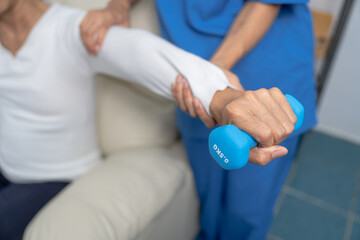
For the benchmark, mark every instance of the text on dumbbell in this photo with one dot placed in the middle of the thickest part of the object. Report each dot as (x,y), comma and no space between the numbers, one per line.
(221,155)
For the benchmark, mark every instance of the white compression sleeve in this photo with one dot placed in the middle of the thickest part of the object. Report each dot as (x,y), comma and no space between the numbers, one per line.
(144,58)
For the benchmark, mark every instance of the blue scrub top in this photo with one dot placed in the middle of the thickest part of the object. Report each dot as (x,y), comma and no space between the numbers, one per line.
(284,58)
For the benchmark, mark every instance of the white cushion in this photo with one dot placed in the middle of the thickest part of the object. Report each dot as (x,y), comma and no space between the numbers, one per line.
(117,200)
(131,116)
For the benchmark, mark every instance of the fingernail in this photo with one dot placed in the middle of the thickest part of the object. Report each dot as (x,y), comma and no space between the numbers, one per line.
(279,153)
(97,47)
(186,84)
(178,78)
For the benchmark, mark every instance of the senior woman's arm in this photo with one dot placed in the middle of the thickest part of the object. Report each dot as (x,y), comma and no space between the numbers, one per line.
(142,57)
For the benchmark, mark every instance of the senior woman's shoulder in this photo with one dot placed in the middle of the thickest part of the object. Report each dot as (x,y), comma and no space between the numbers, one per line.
(66,22)
(67,14)
(62,29)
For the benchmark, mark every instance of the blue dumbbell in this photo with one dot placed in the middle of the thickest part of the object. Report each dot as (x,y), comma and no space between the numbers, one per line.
(230,146)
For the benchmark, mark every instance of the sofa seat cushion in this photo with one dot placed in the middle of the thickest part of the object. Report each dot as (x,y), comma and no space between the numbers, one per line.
(117,200)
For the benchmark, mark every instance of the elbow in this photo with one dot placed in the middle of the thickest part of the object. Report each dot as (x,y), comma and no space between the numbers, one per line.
(145,45)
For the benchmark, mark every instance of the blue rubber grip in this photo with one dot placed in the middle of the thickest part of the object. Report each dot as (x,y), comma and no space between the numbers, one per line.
(230,146)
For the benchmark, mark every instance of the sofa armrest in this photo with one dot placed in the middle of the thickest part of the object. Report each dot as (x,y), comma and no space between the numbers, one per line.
(117,200)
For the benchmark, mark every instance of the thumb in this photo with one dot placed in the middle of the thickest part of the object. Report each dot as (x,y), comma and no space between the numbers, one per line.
(262,156)
(236,83)
(233,79)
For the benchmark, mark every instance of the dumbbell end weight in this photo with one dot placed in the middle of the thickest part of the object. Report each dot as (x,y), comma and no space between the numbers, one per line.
(230,146)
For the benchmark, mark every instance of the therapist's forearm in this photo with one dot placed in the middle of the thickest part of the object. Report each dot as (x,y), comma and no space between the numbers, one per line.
(248,28)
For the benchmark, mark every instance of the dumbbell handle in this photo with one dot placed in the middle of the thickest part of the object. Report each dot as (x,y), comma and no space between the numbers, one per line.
(230,146)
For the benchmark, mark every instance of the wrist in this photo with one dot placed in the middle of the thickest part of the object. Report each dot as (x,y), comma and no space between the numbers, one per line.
(219,102)
(219,62)
(227,56)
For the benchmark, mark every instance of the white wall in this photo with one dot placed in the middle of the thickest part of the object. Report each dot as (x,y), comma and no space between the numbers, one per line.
(339,112)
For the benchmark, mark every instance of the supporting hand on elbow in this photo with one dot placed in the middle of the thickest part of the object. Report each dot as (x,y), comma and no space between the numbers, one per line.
(96,23)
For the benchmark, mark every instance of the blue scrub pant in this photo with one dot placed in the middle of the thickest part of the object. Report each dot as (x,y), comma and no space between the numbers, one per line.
(236,204)
(20,202)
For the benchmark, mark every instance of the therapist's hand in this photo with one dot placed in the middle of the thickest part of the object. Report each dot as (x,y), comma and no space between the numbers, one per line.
(96,23)
(264,114)
(188,103)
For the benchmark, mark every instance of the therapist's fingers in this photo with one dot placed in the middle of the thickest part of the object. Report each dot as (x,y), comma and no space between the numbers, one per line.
(93,36)
(173,91)
(184,98)
(179,93)
(203,115)
(100,39)
(233,79)
(262,156)
(96,23)
(95,31)
(188,99)
(87,37)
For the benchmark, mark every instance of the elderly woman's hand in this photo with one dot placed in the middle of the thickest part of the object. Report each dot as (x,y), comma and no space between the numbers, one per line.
(265,114)
(96,23)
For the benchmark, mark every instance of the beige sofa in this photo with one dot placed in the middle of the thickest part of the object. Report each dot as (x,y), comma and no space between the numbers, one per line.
(144,188)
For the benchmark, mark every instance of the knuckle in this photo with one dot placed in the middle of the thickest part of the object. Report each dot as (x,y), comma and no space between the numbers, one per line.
(262,92)
(265,134)
(279,134)
(293,118)
(248,98)
(275,90)
(248,95)
(289,128)
(230,110)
